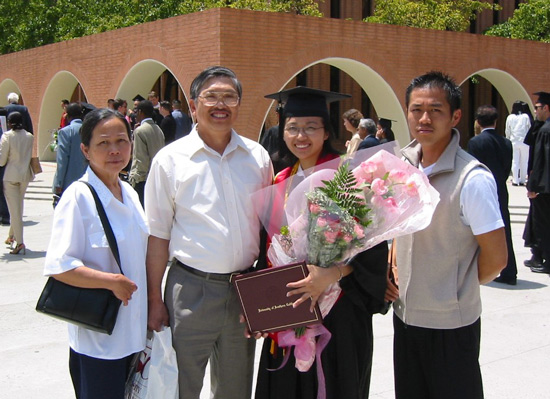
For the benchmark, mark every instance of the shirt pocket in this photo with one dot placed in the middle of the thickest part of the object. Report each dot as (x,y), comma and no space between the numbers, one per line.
(98,240)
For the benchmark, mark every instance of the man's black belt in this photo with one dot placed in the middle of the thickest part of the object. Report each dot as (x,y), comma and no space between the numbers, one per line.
(226,277)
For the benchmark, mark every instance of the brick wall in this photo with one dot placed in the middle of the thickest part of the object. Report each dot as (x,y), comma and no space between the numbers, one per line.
(267,50)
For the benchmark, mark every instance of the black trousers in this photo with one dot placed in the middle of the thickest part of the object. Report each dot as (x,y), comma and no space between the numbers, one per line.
(437,364)
(98,378)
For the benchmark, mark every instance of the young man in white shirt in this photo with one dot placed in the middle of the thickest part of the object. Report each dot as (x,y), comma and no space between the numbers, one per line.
(437,306)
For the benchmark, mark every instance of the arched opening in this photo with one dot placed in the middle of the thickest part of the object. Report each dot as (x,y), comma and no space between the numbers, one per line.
(488,86)
(64,85)
(150,75)
(371,95)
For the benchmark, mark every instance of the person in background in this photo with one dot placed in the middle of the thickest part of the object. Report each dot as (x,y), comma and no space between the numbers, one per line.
(14,106)
(168,123)
(154,98)
(121,106)
(351,120)
(370,139)
(184,124)
(198,202)
(15,155)
(437,306)
(384,133)
(111,103)
(495,152)
(517,126)
(78,255)
(4,212)
(64,122)
(305,143)
(148,140)
(538,186)
(133,112)
(71,163)
(353,144)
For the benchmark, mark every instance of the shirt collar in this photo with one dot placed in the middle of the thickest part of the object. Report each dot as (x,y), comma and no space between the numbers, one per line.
(196,144)
(105,195)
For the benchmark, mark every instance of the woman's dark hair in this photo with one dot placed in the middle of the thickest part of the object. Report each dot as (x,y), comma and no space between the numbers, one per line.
(93,118)
(517,107)
(15,119)
(285,158)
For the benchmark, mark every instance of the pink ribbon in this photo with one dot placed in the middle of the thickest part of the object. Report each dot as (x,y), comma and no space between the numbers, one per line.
(306,350)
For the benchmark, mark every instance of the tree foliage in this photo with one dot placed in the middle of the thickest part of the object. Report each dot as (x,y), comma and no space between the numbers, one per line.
(452,15)
(32,23)
(530,21)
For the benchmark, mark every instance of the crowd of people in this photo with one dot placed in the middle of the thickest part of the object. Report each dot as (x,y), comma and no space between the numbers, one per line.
(179,199)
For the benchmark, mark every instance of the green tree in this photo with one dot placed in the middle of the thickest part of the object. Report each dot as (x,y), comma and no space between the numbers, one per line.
(530,21)
(32,23)
(452,15)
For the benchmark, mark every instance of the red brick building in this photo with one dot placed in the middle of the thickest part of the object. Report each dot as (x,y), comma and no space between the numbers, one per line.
(268,51)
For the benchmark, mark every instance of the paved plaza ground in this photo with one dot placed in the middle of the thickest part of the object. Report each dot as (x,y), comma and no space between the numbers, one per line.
(515,347)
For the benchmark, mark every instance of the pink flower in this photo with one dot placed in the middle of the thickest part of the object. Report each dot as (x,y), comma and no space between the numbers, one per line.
(330,236)
(358,230)
(378,186)
(347,238)
(411,187)
(398,176)
(369,167)
(321,222)
(314,208)
(386,204)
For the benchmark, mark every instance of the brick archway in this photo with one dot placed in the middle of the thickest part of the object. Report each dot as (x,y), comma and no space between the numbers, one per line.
(266,50)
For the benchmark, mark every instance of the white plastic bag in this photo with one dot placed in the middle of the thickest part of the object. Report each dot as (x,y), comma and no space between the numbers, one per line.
(154,374)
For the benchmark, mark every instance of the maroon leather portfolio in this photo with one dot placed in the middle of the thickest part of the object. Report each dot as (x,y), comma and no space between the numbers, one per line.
(265,304)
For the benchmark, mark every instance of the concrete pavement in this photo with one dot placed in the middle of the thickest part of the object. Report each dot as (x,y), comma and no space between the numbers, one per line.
(515,348)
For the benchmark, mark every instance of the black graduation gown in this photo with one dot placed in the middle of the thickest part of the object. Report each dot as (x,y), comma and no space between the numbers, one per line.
(537,229)
(347,359)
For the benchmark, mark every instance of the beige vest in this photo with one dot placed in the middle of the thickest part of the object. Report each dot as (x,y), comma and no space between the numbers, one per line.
(438,272)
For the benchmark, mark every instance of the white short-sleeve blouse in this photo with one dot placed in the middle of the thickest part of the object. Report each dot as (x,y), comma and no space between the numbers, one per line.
(78,239)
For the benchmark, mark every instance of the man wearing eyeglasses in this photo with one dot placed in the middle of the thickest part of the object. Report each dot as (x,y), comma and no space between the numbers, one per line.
(198,204)
(538,186)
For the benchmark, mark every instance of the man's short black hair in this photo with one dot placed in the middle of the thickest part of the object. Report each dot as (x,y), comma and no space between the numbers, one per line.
(74,110)
(214,72)
(146,107)
(486,116)
(437,79)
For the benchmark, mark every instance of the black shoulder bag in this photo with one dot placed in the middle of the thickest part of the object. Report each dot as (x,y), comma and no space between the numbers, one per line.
(92,308)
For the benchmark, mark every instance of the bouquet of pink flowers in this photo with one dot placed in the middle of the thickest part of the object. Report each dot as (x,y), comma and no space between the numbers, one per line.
(338,210)
(334,214)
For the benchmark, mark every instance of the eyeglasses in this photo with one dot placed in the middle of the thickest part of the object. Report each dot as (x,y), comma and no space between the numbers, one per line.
(210,99)
(539,106)
(308,130)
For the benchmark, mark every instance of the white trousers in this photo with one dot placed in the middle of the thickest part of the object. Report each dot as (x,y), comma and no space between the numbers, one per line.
(520,159)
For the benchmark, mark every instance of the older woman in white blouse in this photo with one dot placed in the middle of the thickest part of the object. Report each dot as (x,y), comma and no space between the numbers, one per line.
(79,255)
(15,153)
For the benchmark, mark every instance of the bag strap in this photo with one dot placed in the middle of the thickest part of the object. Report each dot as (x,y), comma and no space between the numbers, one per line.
(106,226)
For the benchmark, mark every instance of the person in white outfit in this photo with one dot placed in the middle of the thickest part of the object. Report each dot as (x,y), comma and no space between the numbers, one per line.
(517,126)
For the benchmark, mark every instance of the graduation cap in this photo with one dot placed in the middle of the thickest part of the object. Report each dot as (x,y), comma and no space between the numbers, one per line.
(305,101)
(139,97)
(86,108)
(544,97)
(385,122)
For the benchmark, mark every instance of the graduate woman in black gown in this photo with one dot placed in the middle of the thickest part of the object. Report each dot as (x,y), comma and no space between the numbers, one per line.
(347,359)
